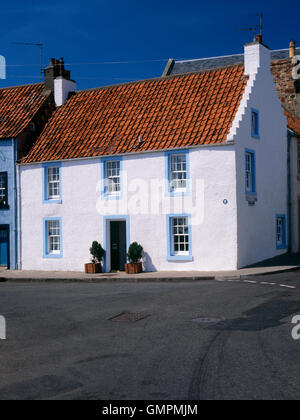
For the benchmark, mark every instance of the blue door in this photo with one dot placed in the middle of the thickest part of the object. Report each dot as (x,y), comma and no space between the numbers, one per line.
(4,246)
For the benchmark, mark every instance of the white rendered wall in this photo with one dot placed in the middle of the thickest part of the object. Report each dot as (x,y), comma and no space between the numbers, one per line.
(257,225)
(62,89)
(214,234)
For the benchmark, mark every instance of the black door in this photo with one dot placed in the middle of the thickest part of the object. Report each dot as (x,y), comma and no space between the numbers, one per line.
(118,245)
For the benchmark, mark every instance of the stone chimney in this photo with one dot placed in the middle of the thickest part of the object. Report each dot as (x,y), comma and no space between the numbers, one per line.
(257,56)
(58,81)
(292,49)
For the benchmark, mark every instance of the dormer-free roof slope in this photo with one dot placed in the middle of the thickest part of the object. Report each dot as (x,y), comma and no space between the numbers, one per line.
(158,114)
(293,122)
(18,106)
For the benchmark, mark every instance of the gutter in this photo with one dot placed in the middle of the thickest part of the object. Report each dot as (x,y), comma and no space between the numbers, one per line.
(226,143)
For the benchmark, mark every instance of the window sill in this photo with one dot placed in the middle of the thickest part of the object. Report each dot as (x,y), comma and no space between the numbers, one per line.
(52,201)
(180,258)
(52,256)
(111,196)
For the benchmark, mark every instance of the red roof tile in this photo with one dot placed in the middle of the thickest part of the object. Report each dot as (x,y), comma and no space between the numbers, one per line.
(18,106)
(293,122)
(174,112)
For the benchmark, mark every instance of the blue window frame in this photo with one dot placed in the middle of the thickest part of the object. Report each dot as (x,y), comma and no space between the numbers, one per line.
(52,183)
(53,237)
(3,191)
(255,124)
(112,182)
(177,173)
(281,240)
(250,173)
(179,237)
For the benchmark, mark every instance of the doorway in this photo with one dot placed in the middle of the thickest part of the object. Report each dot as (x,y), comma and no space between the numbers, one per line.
(118,243)
(4,246)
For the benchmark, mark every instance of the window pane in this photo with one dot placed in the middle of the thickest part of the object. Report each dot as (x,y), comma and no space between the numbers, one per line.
(178,172)
(53,183)
(3,189)
(180,236)
(112,177)
(53,229)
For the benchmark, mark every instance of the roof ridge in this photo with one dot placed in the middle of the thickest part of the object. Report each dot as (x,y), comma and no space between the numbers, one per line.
(226,56)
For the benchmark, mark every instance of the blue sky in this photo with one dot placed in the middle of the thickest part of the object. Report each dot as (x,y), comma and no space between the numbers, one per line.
(141,34)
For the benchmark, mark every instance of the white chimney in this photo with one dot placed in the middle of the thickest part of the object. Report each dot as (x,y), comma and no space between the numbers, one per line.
(58,81)
(62,89)
(257,56)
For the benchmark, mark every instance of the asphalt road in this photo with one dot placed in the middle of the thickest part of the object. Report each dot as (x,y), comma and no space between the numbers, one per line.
(62,344)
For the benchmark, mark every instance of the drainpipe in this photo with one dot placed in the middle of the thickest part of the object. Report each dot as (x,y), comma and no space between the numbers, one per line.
(15,229)
(19,217)
(289,198)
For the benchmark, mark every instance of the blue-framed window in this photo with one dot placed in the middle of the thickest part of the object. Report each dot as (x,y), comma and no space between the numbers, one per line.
(250,173)
(111,169)
(3,191)
(179,237)
(281,241)
(177,172)
(255,123)
(52,183)
(53,237)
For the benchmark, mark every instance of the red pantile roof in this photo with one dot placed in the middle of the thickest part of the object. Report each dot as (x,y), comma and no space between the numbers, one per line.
(174,112)
(18,106)
(293,122)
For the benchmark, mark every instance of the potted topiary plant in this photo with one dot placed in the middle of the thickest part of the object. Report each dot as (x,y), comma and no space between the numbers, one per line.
(97,253)
(135,253)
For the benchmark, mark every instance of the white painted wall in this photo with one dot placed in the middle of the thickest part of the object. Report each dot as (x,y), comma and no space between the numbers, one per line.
(62,89)
(214,235)
(257,225)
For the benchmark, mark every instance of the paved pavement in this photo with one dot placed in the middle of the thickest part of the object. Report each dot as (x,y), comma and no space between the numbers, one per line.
(281,264)
(62,343)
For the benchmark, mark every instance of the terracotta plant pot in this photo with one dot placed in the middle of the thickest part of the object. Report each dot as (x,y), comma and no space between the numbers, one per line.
(91,268)
(134,268)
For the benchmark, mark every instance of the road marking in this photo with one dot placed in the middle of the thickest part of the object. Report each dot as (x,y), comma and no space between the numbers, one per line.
(250,281)
(288,287)
(267,283)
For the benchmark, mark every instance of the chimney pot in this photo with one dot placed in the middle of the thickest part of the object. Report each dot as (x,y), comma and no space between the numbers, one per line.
(259,39)
(292,49)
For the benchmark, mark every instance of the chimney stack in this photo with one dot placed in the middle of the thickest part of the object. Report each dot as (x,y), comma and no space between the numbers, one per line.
(292,49)
(259,39)
(58,80)
(257,57)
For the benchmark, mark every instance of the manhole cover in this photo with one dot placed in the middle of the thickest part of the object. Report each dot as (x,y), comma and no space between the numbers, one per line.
(129,317)
(207,320)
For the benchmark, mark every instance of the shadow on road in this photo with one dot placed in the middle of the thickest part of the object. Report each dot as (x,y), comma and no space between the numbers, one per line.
(267,315)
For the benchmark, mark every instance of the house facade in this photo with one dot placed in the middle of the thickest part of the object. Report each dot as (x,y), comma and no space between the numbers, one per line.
(22,110)
(285,68)
(183,165)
